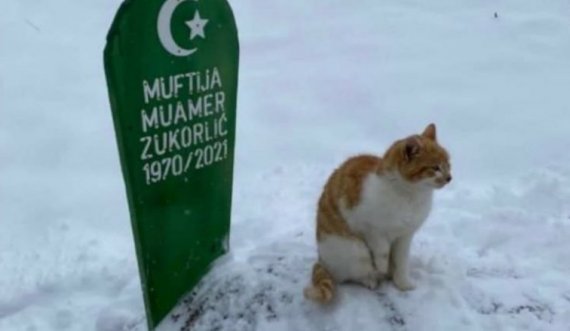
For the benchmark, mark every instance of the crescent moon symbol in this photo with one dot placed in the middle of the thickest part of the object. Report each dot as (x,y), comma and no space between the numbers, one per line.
(165,32)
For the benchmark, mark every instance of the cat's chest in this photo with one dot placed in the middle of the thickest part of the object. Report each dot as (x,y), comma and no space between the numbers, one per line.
(387,211)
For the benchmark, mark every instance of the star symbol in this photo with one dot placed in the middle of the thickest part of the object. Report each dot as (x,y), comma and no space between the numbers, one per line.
(196,26)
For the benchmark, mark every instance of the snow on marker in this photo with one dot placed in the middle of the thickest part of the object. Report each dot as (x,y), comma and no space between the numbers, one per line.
(172,68)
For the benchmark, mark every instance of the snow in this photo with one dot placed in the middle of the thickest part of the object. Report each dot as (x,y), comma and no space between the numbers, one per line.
(483,262)
(318,82)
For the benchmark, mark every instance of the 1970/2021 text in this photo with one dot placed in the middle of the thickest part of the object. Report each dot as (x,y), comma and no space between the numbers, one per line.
(176,165)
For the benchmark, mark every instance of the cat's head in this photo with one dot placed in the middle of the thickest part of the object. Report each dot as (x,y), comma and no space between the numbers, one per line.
(419,160)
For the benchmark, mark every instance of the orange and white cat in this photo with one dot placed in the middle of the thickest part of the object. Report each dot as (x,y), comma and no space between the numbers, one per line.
(369,211)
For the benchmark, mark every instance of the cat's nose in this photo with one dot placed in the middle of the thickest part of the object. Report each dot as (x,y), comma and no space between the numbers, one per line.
(448,178)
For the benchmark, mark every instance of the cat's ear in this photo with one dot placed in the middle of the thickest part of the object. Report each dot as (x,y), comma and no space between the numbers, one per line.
(412,147)
(430,132)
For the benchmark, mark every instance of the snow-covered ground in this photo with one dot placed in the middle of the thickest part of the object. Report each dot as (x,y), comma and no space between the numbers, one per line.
(319,81)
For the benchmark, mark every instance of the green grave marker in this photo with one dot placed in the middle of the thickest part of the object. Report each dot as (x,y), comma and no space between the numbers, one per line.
(172,72)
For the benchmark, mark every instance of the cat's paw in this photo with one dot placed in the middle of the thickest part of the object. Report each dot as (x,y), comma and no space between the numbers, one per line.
(404,284)
(382,265)
(370,282)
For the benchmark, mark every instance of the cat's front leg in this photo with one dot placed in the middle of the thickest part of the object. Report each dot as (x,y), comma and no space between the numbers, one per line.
(400,254)
(380,249)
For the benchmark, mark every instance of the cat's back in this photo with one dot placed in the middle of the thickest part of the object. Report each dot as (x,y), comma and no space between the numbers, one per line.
(347,181)
(344,184)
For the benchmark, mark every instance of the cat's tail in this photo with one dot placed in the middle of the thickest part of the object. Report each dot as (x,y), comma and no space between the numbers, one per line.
(322,286)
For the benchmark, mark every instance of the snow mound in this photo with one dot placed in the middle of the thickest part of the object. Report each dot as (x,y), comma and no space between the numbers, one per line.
(486,259)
